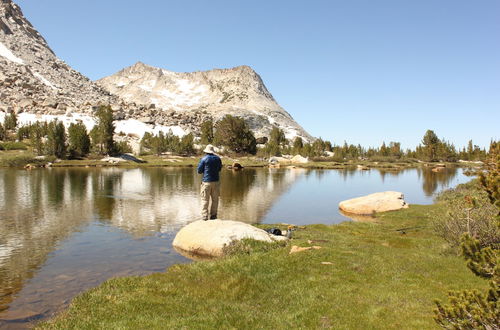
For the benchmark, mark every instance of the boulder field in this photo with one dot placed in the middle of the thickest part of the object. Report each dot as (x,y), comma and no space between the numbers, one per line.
(374,203)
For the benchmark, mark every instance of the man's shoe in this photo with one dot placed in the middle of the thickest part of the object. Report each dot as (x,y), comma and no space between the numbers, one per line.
(213,217)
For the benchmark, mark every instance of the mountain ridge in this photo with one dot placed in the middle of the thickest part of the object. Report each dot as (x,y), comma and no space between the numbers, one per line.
(34,81)
(236,91)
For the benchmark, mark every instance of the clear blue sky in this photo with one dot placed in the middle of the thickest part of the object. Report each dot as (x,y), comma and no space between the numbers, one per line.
(364,71)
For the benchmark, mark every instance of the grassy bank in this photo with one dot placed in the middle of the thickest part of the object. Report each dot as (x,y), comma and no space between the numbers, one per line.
(378,275)
(20,158)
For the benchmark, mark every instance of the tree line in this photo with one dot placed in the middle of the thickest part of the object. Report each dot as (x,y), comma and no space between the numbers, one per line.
(231,132)
(53,139)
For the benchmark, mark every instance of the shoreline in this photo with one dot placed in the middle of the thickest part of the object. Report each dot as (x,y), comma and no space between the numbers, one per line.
(24,160)
(363,272)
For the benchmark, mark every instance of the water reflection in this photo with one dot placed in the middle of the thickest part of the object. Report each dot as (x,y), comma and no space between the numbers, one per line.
(65,230)
(431,181)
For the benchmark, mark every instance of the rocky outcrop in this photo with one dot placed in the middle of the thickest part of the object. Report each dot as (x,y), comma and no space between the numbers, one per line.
(238,91)
(374,203)
(208,238)
(32,78)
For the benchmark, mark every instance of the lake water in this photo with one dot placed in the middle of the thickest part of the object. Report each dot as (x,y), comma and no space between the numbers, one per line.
(63,231)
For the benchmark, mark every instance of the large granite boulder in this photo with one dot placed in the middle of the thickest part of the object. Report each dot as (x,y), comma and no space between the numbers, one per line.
(374,203)
(208,238)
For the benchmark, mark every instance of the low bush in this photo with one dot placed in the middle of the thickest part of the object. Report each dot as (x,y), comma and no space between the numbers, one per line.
(22,160)
(468,211)
(13,146)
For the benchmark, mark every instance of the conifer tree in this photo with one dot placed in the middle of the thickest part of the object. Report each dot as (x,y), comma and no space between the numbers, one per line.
(430,142)
(105,130)
(276,142)
(298,144)
(79,140)
(56,139)
(474,309)
(207,132)
(2,132)
(186,144)
(233,133)
(36,134)
(10,121)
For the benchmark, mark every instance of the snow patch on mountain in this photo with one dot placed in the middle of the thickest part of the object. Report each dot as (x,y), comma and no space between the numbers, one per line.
(44,80)
(5,52)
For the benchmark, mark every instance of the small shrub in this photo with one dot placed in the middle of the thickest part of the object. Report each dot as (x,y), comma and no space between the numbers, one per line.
(468,211)
(21,161)
(13,146)
(123,147)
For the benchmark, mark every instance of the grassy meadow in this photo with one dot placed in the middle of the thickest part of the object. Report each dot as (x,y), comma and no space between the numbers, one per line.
(379,275)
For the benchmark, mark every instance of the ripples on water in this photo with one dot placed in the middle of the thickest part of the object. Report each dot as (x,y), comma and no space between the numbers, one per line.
(63,231)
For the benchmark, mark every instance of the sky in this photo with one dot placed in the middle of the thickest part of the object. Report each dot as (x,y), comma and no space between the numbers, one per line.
(360,71)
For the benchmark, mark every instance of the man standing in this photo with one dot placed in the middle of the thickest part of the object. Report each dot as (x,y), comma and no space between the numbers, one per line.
(209,166)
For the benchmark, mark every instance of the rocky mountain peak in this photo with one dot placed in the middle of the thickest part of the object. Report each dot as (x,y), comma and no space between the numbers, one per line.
(237,91)
(12,21)
(32,78)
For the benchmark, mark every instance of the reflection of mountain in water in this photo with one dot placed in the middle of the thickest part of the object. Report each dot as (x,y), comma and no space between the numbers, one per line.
(162,199)
(40,209)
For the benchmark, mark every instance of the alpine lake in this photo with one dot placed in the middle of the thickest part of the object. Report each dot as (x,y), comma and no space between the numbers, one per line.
(65,230)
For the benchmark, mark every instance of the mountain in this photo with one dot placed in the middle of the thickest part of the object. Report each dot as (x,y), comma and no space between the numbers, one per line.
(38,85)
(32,78)
(238,91)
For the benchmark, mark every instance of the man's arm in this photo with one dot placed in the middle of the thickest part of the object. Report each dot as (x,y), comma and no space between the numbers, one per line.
(220,164)
(201,166)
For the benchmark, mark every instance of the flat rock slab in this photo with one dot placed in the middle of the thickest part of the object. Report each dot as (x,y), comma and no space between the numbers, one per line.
(374,203)
(208,238)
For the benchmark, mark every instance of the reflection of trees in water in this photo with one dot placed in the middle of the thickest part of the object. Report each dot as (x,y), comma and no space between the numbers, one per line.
(36,215)
(78,180)
(54,181)
(390,172)
(348,172)
(431,181)
(169,180)
(235,185)
(247,195)
(41,208)
(104,183)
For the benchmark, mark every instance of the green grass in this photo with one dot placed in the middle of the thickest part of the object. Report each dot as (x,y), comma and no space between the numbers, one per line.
(380,278)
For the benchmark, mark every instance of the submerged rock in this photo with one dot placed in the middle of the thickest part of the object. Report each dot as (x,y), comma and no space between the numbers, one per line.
(374,203)
(208,238)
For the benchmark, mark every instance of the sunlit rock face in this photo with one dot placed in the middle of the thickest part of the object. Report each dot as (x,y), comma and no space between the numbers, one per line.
(32,77)
(238,91)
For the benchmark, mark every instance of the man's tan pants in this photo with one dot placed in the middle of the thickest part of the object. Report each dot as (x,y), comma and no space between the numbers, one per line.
(209,190)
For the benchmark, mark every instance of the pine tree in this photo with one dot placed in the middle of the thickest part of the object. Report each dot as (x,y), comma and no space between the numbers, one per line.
(79,140)
(473,309)
(207,132)
(233,133)
(2,132)
(186,145)
(10,121)
(105,130)
(36,134)
(298,144)
(276,142)
(56,139)
(430,142)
